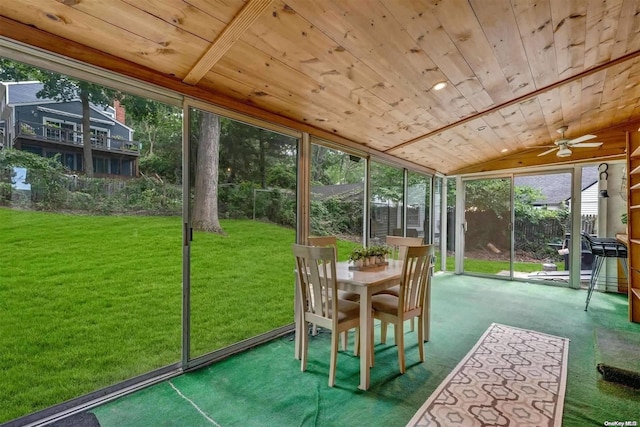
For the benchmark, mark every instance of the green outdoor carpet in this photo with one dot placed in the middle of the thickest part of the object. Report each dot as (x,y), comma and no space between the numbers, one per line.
(264,386)
(617,357)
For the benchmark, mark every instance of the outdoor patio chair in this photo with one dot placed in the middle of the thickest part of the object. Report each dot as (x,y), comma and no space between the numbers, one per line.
(410,303)
(601,248)
(316,274)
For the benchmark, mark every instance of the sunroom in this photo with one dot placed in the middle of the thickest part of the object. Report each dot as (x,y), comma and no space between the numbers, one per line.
(359,119)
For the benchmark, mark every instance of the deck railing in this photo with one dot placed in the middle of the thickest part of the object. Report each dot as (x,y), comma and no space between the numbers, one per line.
(56,134)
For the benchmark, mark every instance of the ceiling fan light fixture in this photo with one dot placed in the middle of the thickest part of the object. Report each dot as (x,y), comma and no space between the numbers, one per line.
(563,152)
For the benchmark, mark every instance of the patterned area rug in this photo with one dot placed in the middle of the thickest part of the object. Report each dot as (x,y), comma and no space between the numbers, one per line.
(511,377)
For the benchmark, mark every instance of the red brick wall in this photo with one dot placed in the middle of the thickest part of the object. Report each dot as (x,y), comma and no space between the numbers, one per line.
(120,111)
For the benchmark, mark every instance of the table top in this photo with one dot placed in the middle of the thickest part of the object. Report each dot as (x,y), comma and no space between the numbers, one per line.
(370,277)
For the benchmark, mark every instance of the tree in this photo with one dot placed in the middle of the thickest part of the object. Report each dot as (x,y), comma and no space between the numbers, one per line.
(160,127)
(205,210)
(64,88)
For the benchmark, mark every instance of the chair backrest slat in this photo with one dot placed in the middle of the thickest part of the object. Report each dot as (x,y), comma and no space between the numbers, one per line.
(323,241)
(399,244)
(316,270)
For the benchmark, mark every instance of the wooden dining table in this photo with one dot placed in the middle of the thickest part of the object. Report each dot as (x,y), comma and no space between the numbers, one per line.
(365,283)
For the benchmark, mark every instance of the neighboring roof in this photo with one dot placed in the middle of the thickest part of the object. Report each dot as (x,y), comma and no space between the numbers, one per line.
(556,187)
(24,93)
(21,93)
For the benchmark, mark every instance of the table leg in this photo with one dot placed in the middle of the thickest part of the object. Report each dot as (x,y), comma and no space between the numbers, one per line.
(365,338)
(426,312)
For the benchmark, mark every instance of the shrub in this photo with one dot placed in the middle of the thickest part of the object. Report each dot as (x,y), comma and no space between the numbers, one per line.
(45,175)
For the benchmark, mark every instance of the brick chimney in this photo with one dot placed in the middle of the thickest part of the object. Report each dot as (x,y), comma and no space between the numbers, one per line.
(120,111)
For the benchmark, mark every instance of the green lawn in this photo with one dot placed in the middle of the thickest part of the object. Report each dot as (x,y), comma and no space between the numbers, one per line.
(494,267)
(89,301)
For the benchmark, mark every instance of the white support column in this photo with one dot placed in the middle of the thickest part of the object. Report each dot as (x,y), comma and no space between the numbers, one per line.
(443,224)
(576,238)
(459,226)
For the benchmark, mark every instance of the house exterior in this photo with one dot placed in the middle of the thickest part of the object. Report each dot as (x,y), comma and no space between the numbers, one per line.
(556,190)
(48,127)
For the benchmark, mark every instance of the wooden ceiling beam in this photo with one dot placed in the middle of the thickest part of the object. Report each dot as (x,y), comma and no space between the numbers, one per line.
(519,99)
(226,39)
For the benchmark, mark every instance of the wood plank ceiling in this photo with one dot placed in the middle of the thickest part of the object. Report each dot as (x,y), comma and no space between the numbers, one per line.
(363,70)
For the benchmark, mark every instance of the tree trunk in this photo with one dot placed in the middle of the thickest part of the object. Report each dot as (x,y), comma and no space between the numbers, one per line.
(152,131)
(261,161)
(87,157)
(205,209)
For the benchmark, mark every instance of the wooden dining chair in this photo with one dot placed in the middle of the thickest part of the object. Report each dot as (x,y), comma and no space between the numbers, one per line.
(398,246)
(316,281)
(410,302)
(325,242)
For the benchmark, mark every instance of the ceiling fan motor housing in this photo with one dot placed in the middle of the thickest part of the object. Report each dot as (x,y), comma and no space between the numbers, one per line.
(563,152)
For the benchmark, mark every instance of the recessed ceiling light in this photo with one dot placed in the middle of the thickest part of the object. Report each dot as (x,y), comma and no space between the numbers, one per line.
(504,150)
(439,86)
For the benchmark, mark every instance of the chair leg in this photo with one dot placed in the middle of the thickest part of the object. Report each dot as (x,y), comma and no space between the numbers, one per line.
(383,331)
(304,343)
(371,349)
(334,358)
(421,338)
(399,338)
(344,337)
(356,344)
(595,271)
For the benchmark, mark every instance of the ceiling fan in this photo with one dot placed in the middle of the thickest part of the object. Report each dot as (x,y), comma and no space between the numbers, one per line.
(564,145)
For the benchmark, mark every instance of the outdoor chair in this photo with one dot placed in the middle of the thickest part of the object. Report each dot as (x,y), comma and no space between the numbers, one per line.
(601,248)
(410,303)
(316,282)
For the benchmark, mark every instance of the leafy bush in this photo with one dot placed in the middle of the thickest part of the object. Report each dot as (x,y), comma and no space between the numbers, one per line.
(236,201)
(45,175)
(140,195)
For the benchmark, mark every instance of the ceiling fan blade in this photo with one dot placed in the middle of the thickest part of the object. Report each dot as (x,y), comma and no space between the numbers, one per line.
(548,151)
(587,144)
(580,139)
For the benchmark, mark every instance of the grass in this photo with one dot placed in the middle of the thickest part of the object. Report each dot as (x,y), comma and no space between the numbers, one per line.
(89,301)
(494,267)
